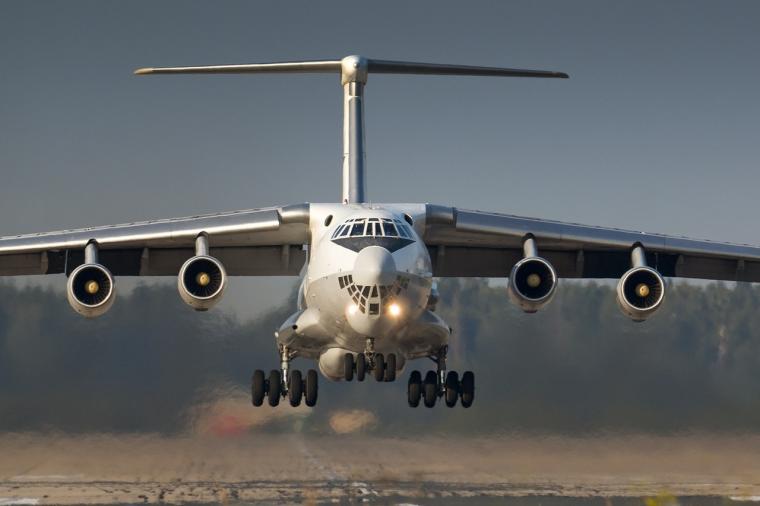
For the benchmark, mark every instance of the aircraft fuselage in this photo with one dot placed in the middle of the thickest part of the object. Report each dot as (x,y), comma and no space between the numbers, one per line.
(369,275)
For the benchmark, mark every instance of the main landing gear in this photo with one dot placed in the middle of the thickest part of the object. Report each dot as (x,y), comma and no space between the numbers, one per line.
(382,368)
(284,383)
(441,383)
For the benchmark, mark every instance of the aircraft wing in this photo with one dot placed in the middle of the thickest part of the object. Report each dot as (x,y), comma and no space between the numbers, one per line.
(480,244)
(256,242)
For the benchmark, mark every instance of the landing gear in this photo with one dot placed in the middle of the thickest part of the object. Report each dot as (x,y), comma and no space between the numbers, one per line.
(430,389)
(390,367)
(296,388)
(311,386)
(378,367)
(414,389)
(467,389)
(348,366)
(382,368)
(441,383)
(258,387)
(451,389)
(274,388)
(361,366)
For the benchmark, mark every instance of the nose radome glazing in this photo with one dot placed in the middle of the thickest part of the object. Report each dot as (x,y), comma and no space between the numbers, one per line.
(374,265)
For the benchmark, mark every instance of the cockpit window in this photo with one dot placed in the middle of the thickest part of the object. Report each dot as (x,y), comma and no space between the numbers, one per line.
(357,229)
(358,233)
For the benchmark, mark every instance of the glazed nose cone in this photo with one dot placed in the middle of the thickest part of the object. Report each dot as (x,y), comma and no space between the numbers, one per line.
(374,266)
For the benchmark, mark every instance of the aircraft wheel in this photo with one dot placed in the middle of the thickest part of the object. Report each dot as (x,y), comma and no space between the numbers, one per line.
(295,388)
(361,367)
(274,388)
(467,389)
(258,387)
(414,389)
(430,389)
(379,367)
(348,366)
(390,367)
(311,385)
(452,389)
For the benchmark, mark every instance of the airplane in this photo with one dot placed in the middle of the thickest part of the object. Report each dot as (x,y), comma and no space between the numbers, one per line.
(368,295)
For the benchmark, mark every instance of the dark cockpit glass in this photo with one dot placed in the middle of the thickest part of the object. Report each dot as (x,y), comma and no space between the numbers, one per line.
(358,233)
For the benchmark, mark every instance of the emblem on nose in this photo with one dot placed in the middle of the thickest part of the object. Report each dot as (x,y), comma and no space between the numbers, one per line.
(374,266)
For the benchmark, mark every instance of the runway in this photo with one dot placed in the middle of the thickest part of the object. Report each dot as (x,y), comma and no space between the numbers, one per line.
(300,467)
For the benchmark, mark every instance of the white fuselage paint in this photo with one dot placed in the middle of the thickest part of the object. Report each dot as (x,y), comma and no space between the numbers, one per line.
(330,322)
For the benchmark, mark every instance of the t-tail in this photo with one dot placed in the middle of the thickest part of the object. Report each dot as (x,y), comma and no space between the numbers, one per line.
(353,72)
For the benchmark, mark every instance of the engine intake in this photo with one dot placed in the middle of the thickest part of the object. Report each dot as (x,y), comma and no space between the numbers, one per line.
(201,282)
(90,290)
(640,292)
(532,283)
(533,280)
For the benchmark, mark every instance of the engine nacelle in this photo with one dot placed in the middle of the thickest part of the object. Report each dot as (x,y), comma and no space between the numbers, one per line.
(91,290)
(201,282)
(532,283)
(640,292)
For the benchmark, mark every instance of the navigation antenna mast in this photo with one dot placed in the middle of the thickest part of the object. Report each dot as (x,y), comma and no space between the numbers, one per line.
(353,77)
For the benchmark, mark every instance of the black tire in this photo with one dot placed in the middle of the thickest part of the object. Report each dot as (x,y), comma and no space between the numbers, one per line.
(361,367)
(295,388)
(311,387)
(467,389)
(258,387)
(430,389)
(274,388)
(452,389)
(390,367)
(379,367)
(348,366)
(414,389)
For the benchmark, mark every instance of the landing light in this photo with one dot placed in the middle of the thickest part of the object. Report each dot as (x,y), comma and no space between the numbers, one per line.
(394,309)
(352,309)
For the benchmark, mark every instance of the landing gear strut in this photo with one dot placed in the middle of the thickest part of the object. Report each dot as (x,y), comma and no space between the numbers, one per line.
(441,383)
(284,383)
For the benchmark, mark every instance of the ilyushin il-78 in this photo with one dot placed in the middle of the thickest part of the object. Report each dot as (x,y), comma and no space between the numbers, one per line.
(367,299)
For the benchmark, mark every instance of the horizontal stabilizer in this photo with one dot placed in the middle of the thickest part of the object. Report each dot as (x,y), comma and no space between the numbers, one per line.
(402,67)
(354,62)
(252,68)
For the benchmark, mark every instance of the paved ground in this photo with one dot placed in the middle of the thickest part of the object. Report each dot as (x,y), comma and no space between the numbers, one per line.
(301,468)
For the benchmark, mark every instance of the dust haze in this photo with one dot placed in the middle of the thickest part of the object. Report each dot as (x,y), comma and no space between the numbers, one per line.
(579,367)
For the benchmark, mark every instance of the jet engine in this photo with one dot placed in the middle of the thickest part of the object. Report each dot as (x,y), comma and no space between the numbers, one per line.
(533,280)
(201,282)
(640,292)
(90,288)
(532,283)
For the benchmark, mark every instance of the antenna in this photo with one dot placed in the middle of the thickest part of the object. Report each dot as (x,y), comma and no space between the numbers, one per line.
(353,77)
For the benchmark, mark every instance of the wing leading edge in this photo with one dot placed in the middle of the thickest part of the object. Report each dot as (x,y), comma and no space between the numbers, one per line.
(252,242)
(474,243)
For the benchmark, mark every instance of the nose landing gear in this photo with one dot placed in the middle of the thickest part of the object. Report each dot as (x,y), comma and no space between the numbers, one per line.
(382,368)
(441,383)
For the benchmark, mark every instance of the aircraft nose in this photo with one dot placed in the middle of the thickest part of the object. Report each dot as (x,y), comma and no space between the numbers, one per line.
(374,266)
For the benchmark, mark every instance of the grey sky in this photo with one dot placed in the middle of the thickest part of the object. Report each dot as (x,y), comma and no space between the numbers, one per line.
(657,129)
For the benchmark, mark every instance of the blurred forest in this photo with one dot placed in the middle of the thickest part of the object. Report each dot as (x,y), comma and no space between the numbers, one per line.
(578,366)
